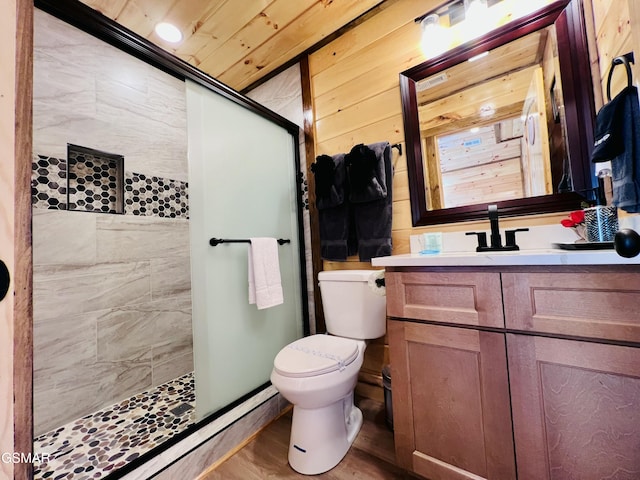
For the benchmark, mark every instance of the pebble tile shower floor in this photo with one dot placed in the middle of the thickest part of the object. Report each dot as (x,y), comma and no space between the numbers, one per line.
(97,444)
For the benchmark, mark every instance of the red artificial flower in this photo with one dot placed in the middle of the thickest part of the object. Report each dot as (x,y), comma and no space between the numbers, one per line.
(575,218)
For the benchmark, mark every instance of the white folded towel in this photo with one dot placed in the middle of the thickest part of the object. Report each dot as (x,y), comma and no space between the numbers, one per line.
(265,285)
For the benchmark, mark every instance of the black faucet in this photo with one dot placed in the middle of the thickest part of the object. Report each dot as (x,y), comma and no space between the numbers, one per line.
(496,239)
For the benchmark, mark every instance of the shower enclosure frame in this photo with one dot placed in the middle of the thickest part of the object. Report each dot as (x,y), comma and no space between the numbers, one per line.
(92,22)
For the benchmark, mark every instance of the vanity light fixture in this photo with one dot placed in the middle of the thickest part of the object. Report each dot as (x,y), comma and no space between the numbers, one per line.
(168,32)
(460,21)
(477,19)
(435,38)
(453,23)
(475,8)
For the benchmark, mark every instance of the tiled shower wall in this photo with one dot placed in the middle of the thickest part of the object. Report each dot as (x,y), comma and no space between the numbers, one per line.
(112,292)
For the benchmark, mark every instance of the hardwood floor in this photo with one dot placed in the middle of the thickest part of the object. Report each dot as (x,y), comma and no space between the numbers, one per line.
(371,456)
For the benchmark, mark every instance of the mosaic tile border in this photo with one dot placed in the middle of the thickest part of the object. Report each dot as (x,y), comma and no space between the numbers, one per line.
(157,196)
(48,182)
(97,444)
(143,195)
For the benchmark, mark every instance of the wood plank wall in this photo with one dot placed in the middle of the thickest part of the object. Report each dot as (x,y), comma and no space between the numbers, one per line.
(7,150)
(614,37)
(634,17)
(356,99)
(356,96)
(16,413)
(617,32)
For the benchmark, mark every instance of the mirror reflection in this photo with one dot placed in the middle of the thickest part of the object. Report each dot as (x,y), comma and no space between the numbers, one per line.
(492,127)
(506,118)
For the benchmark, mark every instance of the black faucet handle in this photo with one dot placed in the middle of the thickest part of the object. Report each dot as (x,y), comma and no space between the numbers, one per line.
(510,237)
(482,240)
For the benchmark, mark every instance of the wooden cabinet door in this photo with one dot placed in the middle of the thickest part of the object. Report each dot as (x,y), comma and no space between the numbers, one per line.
(451,406)
(576,409)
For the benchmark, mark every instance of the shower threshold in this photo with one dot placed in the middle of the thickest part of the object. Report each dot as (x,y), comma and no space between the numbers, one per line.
(100,443)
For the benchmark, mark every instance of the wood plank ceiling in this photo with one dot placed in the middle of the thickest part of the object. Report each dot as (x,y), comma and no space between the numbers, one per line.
(237,41)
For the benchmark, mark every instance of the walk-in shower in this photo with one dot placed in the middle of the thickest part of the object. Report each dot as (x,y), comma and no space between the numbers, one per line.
(124,276)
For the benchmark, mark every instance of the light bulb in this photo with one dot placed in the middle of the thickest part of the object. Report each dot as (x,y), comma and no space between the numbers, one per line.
(477,19)
(436,39)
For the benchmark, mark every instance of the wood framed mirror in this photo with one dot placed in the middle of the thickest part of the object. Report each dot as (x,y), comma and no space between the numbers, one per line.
(545,53)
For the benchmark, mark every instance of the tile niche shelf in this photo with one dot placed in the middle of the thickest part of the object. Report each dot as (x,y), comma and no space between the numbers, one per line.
(95,180)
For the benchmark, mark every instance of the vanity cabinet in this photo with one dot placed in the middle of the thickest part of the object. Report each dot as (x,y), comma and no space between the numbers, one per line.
(576,408)
(450,392)
(575,403)
(450,384)
(534,370)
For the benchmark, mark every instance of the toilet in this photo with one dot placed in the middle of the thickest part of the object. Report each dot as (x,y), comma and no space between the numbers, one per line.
(318,373)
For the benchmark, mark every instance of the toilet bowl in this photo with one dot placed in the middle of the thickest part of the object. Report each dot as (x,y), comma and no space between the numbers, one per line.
(318,374)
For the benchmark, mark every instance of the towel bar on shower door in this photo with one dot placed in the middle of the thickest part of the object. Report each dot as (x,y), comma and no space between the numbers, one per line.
(217,241)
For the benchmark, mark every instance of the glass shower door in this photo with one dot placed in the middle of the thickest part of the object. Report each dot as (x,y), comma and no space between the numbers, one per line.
(241,185)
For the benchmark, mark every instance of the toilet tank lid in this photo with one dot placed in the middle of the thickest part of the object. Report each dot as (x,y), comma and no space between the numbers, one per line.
(315,355)
(346,275)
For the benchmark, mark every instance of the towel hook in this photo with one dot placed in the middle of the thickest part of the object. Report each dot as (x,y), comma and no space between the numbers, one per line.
(625,60)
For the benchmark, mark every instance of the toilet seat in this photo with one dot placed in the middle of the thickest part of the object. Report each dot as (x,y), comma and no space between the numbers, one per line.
(315,355)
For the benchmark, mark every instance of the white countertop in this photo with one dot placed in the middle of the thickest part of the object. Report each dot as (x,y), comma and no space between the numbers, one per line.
(520,257)
(537,247)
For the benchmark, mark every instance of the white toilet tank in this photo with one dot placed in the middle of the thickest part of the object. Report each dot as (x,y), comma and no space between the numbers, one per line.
(352,308)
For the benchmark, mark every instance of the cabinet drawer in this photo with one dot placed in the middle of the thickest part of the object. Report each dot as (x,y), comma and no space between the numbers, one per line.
(592,305)
(466,298)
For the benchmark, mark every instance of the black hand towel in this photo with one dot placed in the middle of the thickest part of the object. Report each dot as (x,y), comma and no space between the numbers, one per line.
(365,169)
(370,178)
(618,139)
(329,174)
(337,233)
(608,132)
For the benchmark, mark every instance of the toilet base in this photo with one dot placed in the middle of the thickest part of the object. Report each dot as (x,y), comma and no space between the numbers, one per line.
(321,437)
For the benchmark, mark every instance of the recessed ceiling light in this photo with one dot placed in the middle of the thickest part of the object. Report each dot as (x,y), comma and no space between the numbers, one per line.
(168,32)
(487,110)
